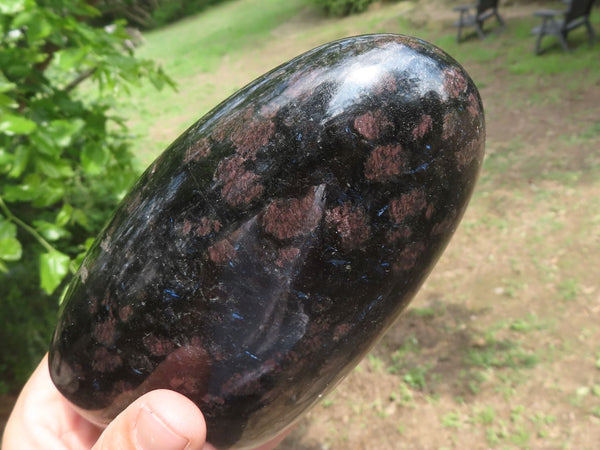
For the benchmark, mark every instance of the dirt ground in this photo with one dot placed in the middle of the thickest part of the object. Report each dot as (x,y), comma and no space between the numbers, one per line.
(501,347)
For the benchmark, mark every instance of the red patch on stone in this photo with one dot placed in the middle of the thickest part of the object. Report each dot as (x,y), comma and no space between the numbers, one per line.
(125,313)
(398,234)
(104,332)
(409,204)
(199,150)
(252,137)
(221,252)
(449,127)
(429,211)
(371,124)
(350,222)
(104,361)
(341,331)
(287,256)
(423,127)
(467,153)
(157,346)
(285,219)
(207,226)
(385,163)
(229,123)
(408,257)
(270,110)
(473,106)
(187,227)
(240,186)
(443,226)
(454,82)
(185,370)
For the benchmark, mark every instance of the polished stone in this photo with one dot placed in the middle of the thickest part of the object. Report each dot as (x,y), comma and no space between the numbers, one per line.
(267,249)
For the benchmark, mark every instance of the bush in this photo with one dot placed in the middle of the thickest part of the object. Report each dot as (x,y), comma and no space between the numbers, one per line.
(343,7)
(147,14)
(65,158)
(173,10)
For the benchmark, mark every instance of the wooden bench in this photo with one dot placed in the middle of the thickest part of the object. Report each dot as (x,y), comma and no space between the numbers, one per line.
(559,23)
(476,15)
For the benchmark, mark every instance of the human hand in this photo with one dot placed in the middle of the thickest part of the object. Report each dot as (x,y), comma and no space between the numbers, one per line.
(161,419)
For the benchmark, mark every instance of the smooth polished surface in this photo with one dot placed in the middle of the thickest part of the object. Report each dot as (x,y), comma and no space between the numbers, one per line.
(266,250)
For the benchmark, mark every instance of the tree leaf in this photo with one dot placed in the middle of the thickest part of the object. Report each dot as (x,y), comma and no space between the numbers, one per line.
(6,161)
(11,124)
(54,266)
(6,85)
(51,192)
(23,19)
(53,167)
(6,101)
(81,218)
(43,143)
(71,59)
(38,29)
(21,158)
(10,247)
(26,190)
(7,229)
(50,231)
(10,7)
(64,215)
(61,132)
(94,158)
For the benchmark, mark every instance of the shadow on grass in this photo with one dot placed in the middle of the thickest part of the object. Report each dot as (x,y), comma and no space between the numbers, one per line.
(439,350)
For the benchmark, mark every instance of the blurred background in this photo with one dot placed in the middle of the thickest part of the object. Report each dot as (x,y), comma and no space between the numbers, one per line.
(500,349)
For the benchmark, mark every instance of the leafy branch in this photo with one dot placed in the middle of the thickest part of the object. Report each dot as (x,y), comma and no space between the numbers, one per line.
(29,229)
(80,79)
(63,163)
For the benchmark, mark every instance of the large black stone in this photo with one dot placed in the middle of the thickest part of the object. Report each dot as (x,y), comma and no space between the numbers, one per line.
(261,256)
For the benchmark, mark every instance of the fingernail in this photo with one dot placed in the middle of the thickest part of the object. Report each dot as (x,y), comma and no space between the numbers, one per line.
(151,433)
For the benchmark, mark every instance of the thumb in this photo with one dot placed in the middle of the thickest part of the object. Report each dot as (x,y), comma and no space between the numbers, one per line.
(159,420)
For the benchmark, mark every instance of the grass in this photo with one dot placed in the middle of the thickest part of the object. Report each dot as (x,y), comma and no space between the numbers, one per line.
(451,420)
(193,47)
(501,354)
(199,43)
(568,289)
(530,323)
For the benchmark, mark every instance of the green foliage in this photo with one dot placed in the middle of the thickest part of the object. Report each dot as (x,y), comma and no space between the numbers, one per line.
(170,11)
(65,160)
(147,14)
(343,7)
